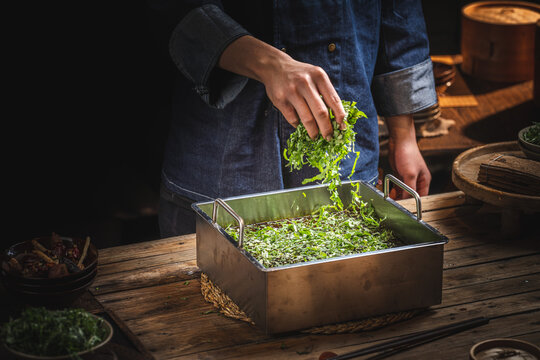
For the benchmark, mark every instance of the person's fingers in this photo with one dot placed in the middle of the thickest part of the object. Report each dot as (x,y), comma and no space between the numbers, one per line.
(410,180)
(423,182)
(319,111)
(330,96)
(306,116)
(288,112)
(395,193)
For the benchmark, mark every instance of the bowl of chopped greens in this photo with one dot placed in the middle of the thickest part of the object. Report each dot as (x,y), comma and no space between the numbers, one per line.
(529,141)
(42,334)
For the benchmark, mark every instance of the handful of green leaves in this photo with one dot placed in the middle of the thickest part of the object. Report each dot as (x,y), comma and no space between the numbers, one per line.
(44,332)
(333,231)
(532,135)
(324,155)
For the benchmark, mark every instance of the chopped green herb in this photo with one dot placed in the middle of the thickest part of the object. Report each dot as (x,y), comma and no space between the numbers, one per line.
(45,332)
(330,234)
(532,135)
(183,298)
(208,312)
(326,156)
(186,282)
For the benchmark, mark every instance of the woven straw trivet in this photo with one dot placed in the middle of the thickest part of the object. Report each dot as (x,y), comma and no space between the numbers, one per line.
(213,294)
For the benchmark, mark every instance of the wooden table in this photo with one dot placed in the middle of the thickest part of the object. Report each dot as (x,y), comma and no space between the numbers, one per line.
(153,288)
(151,291)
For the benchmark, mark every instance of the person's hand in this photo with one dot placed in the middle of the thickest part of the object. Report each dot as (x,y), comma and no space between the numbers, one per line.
(295,88)
(405,158)
(301,91)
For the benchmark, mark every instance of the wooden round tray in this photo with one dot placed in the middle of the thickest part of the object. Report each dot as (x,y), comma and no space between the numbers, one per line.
(465,173)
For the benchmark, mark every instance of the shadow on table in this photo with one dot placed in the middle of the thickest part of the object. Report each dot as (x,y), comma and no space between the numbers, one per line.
(504,125)
(479,86)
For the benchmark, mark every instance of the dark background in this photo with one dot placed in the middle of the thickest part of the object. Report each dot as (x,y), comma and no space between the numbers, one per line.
(87,116)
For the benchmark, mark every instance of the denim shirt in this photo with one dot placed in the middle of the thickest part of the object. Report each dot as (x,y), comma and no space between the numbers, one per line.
(227,139)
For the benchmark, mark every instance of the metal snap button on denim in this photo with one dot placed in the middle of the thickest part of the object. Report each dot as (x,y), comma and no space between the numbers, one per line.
(331,47)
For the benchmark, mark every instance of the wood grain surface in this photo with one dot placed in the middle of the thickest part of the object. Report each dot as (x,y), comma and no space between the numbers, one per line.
(154,288)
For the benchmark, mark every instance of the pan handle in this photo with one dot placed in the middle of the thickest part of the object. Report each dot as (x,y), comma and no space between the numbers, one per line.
(233,214)
(405,187)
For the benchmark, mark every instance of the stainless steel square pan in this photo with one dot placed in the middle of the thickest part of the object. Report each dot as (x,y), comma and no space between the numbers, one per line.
(315,293)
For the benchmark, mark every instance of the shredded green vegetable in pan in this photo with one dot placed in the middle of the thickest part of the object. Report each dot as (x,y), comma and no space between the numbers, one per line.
(335,233)
(331,231)
(53,332)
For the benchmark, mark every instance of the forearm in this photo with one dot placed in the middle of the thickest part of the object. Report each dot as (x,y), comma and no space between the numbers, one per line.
(404,155)
(401,128)
(252,58)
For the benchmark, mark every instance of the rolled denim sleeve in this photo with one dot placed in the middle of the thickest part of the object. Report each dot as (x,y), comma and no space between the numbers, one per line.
(195,46)
(403,81)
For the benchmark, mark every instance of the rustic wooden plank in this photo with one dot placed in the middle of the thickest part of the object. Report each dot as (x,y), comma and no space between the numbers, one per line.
(310,346)
(455,227)
(463,211)
(145,277)
(148,262)
(435,202)
(462,241)
(485,253)
(144,249)
(137,301)
(470,275)
(495,288)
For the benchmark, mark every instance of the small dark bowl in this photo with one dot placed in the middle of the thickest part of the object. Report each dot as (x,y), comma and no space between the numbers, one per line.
(495,346)
(55,299)
(90,262)
(49,288)
(532,151)
(50,292)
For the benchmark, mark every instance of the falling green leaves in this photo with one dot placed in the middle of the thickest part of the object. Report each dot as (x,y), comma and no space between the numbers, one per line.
(326,156)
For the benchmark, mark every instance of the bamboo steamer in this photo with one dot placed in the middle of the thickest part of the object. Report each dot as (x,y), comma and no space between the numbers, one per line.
(498,39)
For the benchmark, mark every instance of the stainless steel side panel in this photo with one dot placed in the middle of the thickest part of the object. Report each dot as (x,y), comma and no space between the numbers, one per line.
(354,288)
